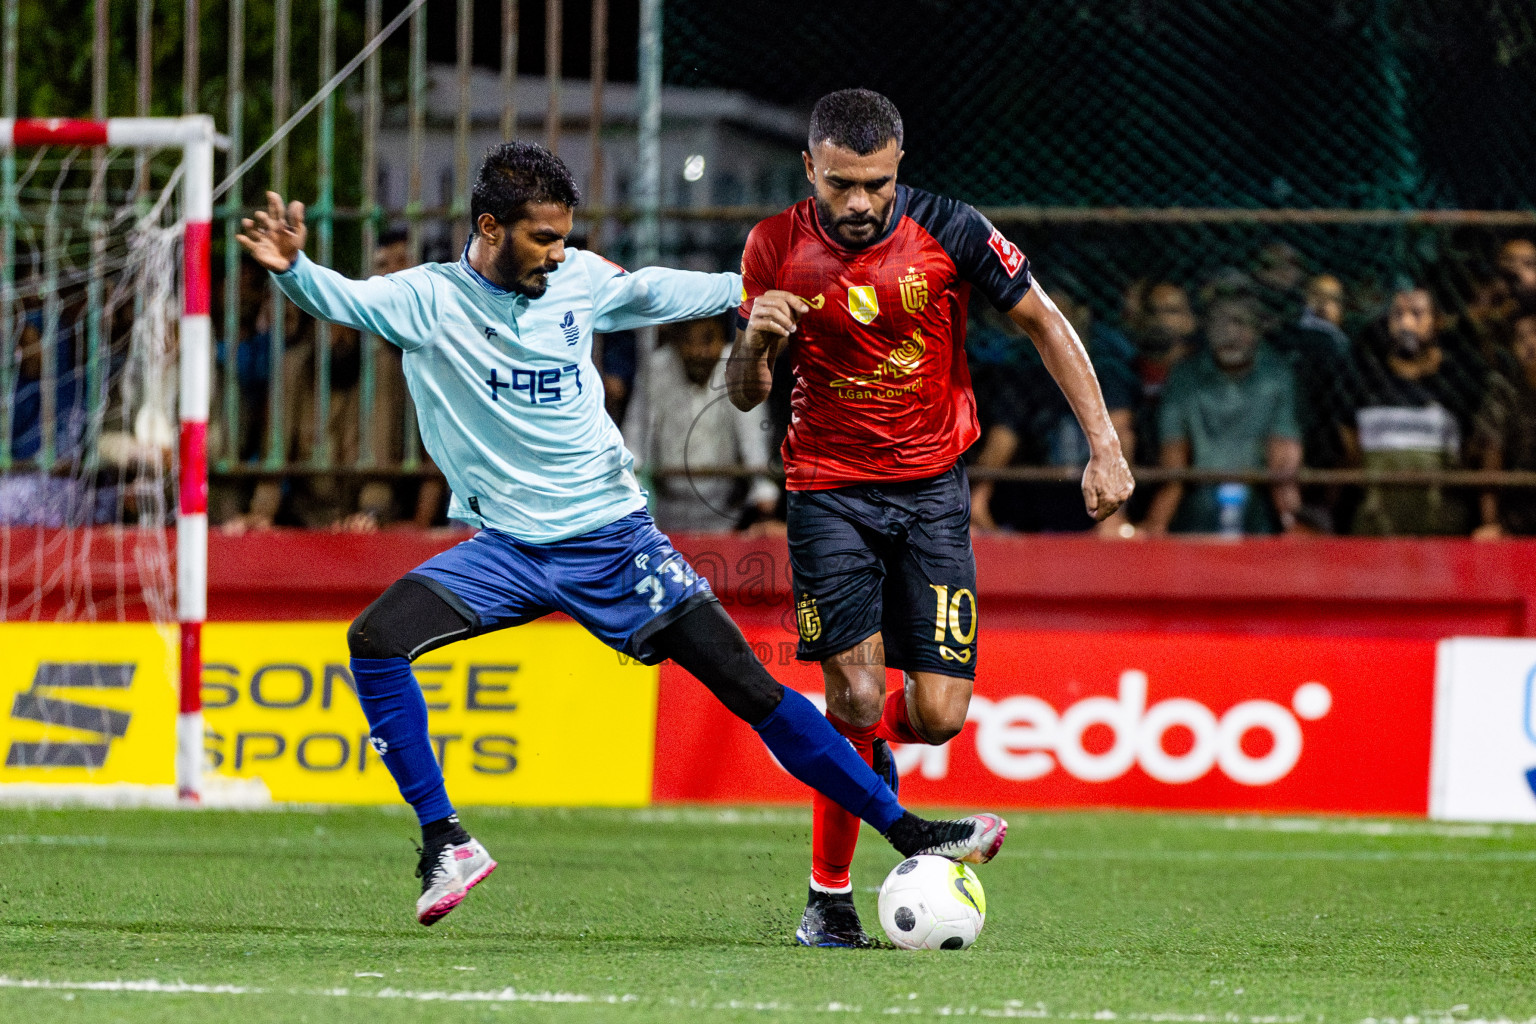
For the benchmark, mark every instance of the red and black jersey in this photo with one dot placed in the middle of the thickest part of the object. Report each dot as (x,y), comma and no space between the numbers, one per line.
(881,388)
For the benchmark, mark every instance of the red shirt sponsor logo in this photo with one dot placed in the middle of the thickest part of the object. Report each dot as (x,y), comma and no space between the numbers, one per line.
(1012,259)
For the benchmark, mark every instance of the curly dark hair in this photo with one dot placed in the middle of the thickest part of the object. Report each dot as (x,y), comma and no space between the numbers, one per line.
(858,119)
(516,174)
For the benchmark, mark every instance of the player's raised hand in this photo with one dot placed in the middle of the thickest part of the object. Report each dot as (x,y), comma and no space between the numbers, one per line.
(274,236)
(775,315)
(1107,483)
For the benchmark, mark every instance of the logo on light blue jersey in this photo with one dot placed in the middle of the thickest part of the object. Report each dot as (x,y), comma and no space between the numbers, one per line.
(568,325)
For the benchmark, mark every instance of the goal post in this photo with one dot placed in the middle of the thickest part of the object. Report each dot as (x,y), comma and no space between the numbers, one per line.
(195,137)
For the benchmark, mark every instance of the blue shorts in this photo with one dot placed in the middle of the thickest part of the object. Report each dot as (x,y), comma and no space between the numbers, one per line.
(623,582)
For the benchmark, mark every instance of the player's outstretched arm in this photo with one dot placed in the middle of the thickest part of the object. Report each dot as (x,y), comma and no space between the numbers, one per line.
(655,295)
(1107,482)
(749,372)
(396,308)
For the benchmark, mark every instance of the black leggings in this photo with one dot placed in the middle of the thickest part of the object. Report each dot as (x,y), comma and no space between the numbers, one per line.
(409,619)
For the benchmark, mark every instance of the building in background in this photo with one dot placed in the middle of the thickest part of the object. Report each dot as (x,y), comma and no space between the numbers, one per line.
(718,148)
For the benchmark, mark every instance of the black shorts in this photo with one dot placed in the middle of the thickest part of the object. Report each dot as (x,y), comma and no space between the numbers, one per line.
(893,559)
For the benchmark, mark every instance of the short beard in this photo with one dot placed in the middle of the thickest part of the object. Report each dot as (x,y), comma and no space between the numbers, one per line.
(507,269)
(1410,349)
(830,223)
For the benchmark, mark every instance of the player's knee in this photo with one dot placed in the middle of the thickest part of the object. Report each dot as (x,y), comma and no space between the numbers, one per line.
(863,709)
(855,689)
(406,621)
(940,717)
(364,639)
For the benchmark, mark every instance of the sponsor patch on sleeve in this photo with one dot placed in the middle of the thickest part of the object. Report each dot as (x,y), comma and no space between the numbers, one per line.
(1007,253)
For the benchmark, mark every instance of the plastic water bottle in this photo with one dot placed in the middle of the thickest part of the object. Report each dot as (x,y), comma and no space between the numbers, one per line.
(1231,505)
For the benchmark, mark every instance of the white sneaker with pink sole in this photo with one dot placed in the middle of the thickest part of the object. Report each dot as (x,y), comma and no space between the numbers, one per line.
(447,877)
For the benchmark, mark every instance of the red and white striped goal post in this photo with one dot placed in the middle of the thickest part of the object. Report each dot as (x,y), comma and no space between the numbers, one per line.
(194,135)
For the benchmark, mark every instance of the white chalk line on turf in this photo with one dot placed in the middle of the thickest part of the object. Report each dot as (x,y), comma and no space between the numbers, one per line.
(1357,826)
(505,995)
(1425,856)
(1012,1009)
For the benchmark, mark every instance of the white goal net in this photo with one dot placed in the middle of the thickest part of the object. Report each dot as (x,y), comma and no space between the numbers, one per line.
(88,386)
(104,368)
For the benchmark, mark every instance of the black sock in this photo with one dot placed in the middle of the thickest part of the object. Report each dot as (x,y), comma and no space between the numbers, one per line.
(442,832)
(911,833)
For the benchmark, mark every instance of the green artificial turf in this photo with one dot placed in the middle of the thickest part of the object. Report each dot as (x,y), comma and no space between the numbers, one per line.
(679,914)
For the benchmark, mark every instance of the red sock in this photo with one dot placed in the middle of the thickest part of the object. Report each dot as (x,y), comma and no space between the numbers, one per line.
(895,726)
(834,831)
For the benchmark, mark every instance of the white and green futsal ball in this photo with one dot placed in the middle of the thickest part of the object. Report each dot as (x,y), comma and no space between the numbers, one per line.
(932,903)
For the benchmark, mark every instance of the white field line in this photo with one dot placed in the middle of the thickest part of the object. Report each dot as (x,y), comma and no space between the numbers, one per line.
(219,793)
(145,844)
(1213,856)
(1358,826)
(1012,1009)
(505,995)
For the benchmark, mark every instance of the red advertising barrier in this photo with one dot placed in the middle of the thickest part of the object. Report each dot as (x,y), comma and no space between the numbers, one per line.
(1411,588)
(1123,720)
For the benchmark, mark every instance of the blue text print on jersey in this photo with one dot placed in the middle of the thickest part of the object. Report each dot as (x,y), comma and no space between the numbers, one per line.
(542,387)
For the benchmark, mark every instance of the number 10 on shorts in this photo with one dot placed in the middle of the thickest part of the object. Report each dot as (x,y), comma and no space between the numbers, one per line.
(946,615)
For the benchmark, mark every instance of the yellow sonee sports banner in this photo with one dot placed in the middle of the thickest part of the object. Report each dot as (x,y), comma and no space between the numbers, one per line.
(87,703)
(542,714)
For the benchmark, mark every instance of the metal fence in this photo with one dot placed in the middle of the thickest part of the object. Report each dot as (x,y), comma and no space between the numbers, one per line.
(1122,144)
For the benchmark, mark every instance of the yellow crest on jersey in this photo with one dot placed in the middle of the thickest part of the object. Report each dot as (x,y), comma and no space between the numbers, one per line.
(862,303)
(808,618)
(914,292)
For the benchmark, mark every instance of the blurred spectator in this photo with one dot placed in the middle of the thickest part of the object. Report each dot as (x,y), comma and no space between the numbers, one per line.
(1231,406)
(392,252)
(1319,351)
(48,422)
(1164,334)
(228,498)
(1323,312)
(1034,425)
(1506,434)
(615,356)
(427,498)
(680,419)
(1484,320)
(1133,302)
(252,360)
(1278,275)
(322,501)
(1517,267)
(1410,404)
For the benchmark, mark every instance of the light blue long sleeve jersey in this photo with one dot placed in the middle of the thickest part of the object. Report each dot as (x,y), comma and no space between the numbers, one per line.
(509,401)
